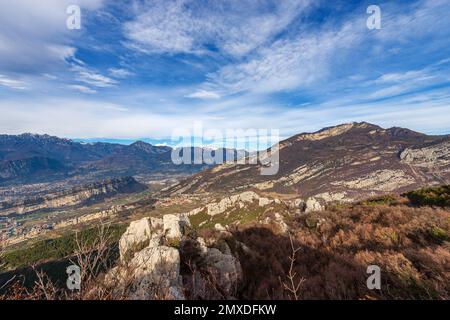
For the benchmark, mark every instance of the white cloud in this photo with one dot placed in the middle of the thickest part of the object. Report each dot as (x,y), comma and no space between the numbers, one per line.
(236,27)
(204,94)
(426,18)
(93,78)
(12,83)
(392,84)
(119,73)
(33,34)
(312,58)
(261,60)
(81,118)
(82,89)
(289,63)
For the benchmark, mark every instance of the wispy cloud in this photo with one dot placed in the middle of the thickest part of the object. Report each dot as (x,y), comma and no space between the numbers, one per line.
(187,26)
(82,89)
(288,63)
(119,73)
(148,68)
(203,94)
(12,83)
(92,78)
(29,27)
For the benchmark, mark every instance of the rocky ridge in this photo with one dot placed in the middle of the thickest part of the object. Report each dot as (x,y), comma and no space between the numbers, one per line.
(77,196)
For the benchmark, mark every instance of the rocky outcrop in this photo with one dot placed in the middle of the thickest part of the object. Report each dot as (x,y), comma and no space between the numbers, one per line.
(240,200)
(156,268)
(174,226)
(429,157)
(312,205)
(221,206)
(101,215)
(138,233)
(151,252)
(381,180)
(332,131)
(222,266)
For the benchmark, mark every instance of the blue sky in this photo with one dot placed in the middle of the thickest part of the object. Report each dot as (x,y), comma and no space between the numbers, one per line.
(141,69)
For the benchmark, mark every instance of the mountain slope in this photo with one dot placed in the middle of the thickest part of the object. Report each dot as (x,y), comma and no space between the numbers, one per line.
(345,162)
(37,166)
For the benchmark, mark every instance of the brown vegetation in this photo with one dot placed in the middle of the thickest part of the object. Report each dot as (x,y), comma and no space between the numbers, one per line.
(324,256)
(335,247)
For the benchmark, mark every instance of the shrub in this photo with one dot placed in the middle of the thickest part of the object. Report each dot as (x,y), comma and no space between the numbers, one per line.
(433,196)
(439,234)
(386,200)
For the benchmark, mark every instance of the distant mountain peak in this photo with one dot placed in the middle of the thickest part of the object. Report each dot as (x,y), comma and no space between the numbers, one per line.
(149,148)
(141,144)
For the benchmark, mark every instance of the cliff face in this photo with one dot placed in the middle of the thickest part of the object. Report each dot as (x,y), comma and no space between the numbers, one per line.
(86,194)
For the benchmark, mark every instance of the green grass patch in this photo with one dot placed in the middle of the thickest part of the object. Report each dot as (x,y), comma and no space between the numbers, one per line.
(58,248)
(244,216)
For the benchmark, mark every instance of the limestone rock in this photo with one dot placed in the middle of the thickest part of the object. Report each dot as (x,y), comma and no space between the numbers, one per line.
(264,202)
(225,268)
(428,157)
(154,270)
(219,227)
(299,205)
(228,202)
(138,233)
(174,226)
(380,180)
(312,205)
(157,269)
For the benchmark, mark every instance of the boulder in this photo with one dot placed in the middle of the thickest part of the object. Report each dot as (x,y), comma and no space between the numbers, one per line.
(156,272)
(137,234)
(248,196)
(298,204)
(219,227)
(312,205)
(174,226)
(224,268)
(264,202)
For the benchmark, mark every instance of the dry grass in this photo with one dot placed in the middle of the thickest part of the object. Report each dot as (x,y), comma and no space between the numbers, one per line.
(409,244)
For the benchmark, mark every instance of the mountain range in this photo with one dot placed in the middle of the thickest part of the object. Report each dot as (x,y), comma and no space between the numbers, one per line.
(344,162)
(340,163)
(40,158)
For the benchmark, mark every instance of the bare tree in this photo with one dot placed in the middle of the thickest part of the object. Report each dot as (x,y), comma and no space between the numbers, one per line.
(292,285)
(2,248)
(2,263)
(43,287)
(93,256)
